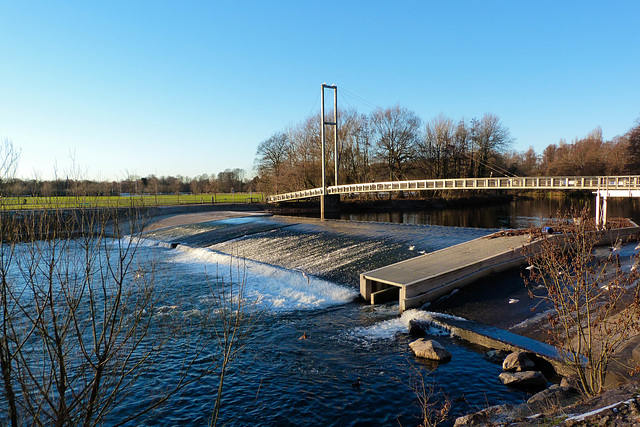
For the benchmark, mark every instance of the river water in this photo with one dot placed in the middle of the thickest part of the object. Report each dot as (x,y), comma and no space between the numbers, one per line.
(303,273)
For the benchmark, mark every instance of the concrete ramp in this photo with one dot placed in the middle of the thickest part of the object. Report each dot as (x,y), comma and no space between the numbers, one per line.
(428,277)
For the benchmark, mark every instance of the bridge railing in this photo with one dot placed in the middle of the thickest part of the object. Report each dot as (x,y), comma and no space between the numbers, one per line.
(499,183)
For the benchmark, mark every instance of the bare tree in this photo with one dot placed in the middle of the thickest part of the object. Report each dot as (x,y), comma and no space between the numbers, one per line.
(436,150)
(271,156)
(396,133)
(353,134)
(303,167)
(9,159)
(231,318)
(488,136)
(633,138)
(434,404)
(595,301)
(81,321)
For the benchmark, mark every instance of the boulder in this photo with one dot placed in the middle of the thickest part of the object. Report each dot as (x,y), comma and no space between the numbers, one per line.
(518,361)
(493,415)
(555,395)
(430,349)
(526,379)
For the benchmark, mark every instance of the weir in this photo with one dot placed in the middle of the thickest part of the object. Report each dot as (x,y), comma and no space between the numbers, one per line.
(427,277)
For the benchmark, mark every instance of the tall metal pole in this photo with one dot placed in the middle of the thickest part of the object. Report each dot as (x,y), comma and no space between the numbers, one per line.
(322,136)
(324,171)
(335,131)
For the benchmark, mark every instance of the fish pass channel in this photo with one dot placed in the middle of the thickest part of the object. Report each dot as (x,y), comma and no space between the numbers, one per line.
(304,273)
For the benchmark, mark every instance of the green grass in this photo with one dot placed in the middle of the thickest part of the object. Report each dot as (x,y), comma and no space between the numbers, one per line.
(20,203)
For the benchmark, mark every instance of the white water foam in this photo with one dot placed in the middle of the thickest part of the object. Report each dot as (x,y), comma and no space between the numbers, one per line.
(143,242)
(388,329)
(275,288)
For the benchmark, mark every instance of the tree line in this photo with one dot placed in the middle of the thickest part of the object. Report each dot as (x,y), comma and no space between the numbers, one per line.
(396,144)
(230,180)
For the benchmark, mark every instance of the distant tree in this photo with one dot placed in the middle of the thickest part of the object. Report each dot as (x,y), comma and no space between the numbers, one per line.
(489,136)
(9,158)
(530,163)
(303,169)
(463,144)
(396,132)
(616,156)
(271,156)
(437,150)
(633,149)
(589,155)
(354,137)
(194,187)
(173,185)
(231,180)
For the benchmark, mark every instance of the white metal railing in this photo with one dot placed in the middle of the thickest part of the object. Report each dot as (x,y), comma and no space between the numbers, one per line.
(594,183)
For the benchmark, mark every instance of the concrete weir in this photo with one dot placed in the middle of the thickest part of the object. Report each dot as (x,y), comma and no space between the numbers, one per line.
(425,278)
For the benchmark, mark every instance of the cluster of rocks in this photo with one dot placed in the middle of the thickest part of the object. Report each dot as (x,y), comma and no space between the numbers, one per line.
(560,404)
(564,406)
(520,371)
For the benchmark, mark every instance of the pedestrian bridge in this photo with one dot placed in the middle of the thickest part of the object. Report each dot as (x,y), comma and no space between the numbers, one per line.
(613,186)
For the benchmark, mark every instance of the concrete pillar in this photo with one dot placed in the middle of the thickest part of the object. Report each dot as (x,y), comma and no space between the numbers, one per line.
(598,220)
(365,288)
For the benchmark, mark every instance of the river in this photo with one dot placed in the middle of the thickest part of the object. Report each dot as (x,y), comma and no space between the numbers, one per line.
(303,273)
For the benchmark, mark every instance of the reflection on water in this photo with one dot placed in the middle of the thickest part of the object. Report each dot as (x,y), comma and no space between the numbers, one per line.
(516,214)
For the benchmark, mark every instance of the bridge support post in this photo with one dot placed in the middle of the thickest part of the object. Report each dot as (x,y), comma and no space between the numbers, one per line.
(334,123)
(601,210)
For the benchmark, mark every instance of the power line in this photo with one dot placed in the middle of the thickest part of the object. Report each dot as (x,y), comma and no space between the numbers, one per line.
(496,168)
(314,105)
(347,102)
(360,99)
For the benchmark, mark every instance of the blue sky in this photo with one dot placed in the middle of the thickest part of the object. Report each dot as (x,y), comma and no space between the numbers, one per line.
(192,87)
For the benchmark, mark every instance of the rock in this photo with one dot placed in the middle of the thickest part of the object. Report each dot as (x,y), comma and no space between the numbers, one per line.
(525,379)
(635,353)
(554,396)
(518,361)
(571,382)
(417,328)
(496,356)
(430,349)
(498,414)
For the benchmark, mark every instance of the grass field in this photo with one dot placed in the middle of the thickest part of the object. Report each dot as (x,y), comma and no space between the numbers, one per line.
(27,202)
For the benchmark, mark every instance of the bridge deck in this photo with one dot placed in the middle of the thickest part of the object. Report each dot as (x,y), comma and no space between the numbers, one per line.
(592,183)
(430,276)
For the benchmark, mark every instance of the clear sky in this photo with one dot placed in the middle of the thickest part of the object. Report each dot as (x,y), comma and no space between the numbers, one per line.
(192,87)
